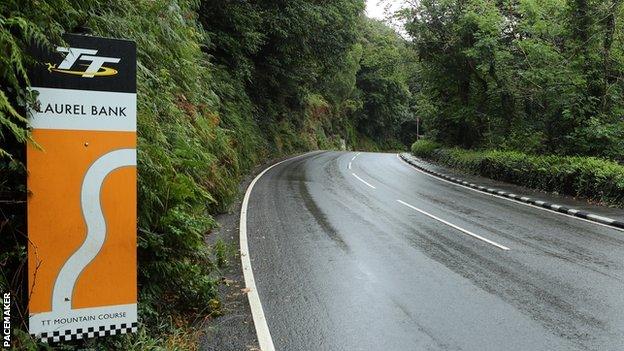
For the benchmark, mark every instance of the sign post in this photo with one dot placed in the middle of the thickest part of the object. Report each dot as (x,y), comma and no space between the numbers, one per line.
(82,184)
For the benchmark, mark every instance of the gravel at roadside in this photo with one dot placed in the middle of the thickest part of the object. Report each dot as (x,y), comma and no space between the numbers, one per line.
(235,330)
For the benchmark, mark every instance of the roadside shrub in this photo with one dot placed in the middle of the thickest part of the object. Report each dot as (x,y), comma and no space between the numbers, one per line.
(424,147)
(588,177)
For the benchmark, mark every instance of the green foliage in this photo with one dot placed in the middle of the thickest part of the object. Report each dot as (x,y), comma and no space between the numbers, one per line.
(288,56)
(13,74)
(424,148)
(382,81)
(281,51)
(221,252)
(589,177)
(540,76)
(189,159)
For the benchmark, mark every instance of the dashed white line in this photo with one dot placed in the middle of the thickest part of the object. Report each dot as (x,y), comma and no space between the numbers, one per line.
(349,165)
(502,247)
(356,155)
(363,181)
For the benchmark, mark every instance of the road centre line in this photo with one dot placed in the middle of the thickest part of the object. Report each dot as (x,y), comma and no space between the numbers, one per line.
(363,181)
(349,165)
(506,198)
(502,247)
(356,155)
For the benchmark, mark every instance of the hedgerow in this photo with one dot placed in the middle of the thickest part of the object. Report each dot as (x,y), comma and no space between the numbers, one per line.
(424,148)
(588,177)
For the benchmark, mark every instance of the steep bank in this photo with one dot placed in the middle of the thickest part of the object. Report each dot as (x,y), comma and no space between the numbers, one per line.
(221,87)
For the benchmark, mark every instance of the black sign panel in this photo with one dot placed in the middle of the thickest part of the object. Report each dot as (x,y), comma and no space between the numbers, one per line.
(87,63)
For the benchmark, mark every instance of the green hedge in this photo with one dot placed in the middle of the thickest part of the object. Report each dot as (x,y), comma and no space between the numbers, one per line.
(424,148)
(589,177)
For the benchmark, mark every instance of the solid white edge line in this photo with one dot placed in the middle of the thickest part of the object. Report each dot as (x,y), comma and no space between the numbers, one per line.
(262,328)
(502,247)
(511,200)
(363,181)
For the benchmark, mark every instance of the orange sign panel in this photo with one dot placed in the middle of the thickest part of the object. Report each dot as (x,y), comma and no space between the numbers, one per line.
(82,184)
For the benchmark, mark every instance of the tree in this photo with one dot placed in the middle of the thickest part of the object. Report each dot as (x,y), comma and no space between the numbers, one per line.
(533,75)
(383,81)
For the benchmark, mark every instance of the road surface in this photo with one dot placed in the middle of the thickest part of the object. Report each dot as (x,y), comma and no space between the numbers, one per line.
(358,251)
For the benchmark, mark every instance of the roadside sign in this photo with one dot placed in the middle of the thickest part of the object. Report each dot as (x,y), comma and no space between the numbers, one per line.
(82,184)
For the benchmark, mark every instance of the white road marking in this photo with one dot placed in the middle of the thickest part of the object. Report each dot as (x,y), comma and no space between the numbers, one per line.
(356,155)
(600,218)
(262,328)
(502,247)
(349,165)
(363,181)
(511,200)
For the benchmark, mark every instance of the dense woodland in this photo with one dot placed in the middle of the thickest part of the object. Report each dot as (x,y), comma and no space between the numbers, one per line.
(540,76)
(534,87)
(225,85)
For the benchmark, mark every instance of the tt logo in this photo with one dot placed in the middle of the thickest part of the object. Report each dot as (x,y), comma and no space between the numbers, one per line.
(93,69)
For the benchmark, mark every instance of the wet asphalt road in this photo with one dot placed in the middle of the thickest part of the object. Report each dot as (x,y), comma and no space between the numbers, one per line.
(341,265)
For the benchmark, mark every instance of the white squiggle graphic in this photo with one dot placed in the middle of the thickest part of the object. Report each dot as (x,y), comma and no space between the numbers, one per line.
(96,225)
